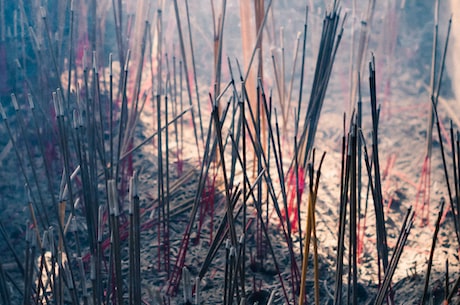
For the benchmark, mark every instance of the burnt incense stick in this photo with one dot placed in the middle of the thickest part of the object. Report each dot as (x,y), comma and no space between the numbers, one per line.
(192,54)
(131,243)
(186,280)
(167,224)
(226,271)
(430,259)
(28,270)
(111,148)
(98,114)
(184,62)
(160,179)
(342,218)
(446,284)
(123,114)
(291,82)
(455,171)
(443,63)
(359,123)
(302,68)
(297,188)
(402,239)
(118,19)
(116,250)
(97,282)
(378,198)
(197,291)
(229,208)
(353,261)
(457,165)
(136,240)
(84,288)
(446,174)
(231,263)
(71,48)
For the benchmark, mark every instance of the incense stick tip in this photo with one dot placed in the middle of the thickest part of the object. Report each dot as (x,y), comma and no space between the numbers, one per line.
(31,101)
(14,101)
(42,12)
(2,112)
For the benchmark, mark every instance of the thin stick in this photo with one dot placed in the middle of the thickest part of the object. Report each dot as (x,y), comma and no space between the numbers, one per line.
(310,232)
(71,48)
(302,69)
(291,82)
(28,272)
(342,220)
(446,288)
(405,230)
(380,220)
(123,114)
(227,191)
(194,66)
(116,251)
(455,170)
(184,61)
(430,259)
(50,47)
(258,39)
(111,157)
(353,214)
(446,174)
(131,249)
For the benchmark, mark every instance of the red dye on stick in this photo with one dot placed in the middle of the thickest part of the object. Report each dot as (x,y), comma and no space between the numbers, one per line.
(422,198)
(360,241)
(206,207)
(292,212)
